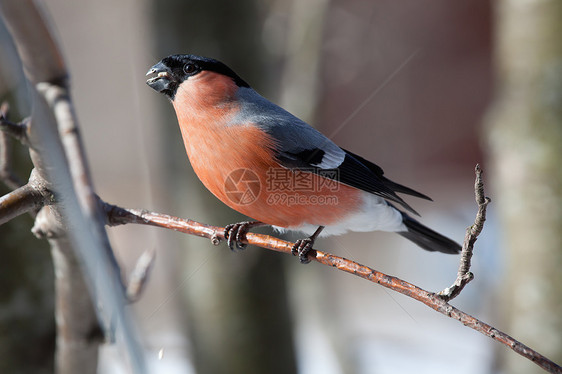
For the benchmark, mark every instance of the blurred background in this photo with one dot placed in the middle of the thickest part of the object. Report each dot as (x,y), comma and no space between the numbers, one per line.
(425,89)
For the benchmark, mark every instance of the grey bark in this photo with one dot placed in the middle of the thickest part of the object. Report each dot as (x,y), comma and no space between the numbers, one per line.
(524,135)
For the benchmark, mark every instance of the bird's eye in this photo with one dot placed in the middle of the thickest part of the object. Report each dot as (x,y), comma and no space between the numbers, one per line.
(189,68)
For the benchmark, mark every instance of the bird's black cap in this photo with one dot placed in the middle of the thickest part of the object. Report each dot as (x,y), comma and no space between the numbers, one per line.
(170,72)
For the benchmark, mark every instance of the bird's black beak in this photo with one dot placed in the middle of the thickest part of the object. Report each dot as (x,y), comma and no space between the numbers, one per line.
(161,79)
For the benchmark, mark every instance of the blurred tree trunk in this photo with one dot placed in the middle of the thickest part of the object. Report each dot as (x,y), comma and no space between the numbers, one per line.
(525,143)
(301,90)
(237,308)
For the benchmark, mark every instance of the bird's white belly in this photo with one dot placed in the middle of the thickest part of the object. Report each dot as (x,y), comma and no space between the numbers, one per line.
(375,215)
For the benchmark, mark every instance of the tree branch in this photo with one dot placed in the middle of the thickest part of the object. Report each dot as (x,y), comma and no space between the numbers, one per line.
(38,51)
(58,156)
(58,98)
(45,69)
(17,130)
(464,276)
(139,276)
(31,197)
(119,216)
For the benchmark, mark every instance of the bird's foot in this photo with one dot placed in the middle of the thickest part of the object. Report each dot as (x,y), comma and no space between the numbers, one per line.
(236,232)
(302,247)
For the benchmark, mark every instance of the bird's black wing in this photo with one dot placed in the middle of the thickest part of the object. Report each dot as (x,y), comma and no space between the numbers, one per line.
(353,171)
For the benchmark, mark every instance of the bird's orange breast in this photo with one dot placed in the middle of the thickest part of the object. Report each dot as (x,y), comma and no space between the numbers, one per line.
(236,162)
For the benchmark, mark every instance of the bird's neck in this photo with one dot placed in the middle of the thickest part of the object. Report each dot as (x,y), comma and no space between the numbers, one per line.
(207,97)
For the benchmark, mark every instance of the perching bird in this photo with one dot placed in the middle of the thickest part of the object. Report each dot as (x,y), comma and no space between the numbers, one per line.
(266,163)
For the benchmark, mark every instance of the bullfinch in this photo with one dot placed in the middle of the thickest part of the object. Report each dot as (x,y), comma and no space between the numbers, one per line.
(267,164)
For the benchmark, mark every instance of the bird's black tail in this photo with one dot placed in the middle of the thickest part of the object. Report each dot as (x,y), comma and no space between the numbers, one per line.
(427,238)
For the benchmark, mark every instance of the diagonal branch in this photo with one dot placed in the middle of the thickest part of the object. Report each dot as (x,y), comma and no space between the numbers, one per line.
(58,99)
(119,216)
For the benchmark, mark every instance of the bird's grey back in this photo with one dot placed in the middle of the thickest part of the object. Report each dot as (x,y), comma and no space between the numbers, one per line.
(292,134)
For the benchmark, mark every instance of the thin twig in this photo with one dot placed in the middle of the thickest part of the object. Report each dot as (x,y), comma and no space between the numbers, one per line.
(16,130)
(139,276)
(119,216)
(464,275)
(7,175)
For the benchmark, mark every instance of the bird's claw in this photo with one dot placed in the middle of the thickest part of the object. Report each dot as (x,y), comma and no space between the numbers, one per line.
(301,248)
(236,232)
